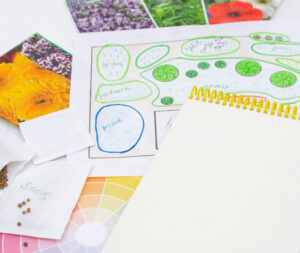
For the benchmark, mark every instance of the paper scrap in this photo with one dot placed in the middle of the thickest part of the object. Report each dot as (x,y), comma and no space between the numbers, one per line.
(56,134)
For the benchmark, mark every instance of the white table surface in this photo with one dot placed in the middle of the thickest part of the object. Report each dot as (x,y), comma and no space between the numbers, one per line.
(21,18)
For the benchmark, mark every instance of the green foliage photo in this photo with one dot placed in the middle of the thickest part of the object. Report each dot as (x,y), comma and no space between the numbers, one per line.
(176,12)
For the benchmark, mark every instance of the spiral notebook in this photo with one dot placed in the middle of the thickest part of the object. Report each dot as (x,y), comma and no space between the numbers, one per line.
(225,180)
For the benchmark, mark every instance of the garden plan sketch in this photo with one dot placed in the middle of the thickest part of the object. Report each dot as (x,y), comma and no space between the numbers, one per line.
(136,90)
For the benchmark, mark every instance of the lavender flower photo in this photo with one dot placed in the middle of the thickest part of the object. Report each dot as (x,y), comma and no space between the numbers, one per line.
(47,55)
(109,15)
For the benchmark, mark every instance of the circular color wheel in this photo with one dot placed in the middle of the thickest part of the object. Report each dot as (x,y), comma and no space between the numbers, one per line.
(101,203)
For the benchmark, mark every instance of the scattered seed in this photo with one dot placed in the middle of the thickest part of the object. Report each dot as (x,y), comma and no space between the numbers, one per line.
(28,210)
(25,244)
(24,212)
(3,178)
(23,203)
(28,200)
(19,205)
(19,224)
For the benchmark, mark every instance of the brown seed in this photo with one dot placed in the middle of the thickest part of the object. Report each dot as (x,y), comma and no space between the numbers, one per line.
(25,244)
(19,224)
(24,212)
(19,205)
(28,210)
(23,203)
(28,200)
(3,178)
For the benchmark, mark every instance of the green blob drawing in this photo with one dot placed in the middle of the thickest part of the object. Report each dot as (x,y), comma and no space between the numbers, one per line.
(256,37)
(191,73)
(269,37)
(220,64)
(278,38)
(248,68)
(165,73)
(167,100)
(203,65)
(283,79)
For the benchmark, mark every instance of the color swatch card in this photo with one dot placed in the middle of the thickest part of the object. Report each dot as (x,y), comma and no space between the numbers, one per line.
(226,179)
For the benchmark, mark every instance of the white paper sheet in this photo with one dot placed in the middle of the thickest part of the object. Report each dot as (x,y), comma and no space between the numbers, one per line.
(95,90)
(224,180)
(55,135)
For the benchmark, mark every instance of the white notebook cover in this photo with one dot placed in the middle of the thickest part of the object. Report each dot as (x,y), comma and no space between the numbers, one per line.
(225,180)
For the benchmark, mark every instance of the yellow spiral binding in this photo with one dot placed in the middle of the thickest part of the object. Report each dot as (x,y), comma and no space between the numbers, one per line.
(245,102)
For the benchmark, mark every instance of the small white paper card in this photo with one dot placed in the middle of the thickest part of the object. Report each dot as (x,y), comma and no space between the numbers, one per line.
(56,134)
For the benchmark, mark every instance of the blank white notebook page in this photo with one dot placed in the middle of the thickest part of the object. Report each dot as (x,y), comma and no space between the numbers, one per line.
(225,180)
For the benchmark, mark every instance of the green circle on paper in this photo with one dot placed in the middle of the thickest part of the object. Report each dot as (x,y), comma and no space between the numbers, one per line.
(191,73)
(203,65)
(167,100)
(256,37)
(165,73)
(248,68)
(220,64)
(283,79)
(269,37)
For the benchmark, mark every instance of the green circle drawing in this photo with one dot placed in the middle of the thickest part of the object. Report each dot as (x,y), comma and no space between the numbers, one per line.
(220,64)
(248,68)
(203,65)
(269,37)
(283,79)
(191,73)
(256,37)
(278,38)
(165,73)
(167,100)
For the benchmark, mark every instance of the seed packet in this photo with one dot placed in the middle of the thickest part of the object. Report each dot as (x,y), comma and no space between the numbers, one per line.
(40,200)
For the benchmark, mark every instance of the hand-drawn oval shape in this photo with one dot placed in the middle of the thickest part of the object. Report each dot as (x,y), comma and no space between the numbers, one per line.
(289,63)
(119,128)
(151,55)
(113,62)
(276,49)
(269,36)
(122,92)
(210,46)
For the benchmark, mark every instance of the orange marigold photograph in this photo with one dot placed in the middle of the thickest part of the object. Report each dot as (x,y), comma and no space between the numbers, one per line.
(29,90)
